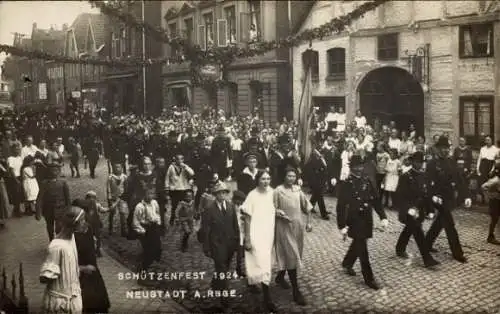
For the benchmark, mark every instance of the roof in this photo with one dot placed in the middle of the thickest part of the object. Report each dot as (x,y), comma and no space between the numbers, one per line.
(80,28)
(48,40)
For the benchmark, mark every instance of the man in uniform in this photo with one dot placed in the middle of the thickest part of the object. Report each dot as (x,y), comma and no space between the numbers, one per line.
(221,153)
(411,195)
(357,199)
(317,178)
(463,157)
(444,178)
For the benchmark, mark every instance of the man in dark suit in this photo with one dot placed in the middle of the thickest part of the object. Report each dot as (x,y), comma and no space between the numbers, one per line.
(462,155)
(357,199)
(444,178)
(221,235)
(221,153)
(317,178)
(411,196)
(255,146)
(281,159)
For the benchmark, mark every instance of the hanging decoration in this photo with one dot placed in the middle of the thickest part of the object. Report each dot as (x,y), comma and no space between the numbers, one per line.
(197,57)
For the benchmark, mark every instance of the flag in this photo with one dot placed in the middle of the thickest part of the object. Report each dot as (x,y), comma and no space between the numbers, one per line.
(305,116)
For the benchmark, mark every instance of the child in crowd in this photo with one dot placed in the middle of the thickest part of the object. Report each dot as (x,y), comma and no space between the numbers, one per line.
(116,187)
(147,225)
(93,217)
(381,163)
(30,184)
(185,210)
(238,199)
(392,176)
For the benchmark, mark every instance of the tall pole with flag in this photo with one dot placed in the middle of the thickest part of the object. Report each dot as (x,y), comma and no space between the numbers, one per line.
(305,107)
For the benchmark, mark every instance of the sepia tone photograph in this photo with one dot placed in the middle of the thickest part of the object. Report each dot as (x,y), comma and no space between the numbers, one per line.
(251,156)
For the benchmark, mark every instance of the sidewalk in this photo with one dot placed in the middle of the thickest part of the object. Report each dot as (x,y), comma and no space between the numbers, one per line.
(25,240)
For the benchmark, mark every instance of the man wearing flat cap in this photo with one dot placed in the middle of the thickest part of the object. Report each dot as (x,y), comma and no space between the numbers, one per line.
(357,200)
(411,197)
(444,179)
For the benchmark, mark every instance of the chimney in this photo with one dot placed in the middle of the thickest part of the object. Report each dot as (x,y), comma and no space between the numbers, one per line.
(34,26)
(65,27)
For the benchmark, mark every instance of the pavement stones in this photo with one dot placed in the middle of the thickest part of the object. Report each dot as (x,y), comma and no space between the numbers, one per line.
(407,286)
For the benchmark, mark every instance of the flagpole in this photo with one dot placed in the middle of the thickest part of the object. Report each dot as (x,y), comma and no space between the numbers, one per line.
(143,59)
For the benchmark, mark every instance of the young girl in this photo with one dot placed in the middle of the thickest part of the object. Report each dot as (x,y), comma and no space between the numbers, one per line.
(185,211)
(391,176)
(381,162)
(30,184)
(116,187)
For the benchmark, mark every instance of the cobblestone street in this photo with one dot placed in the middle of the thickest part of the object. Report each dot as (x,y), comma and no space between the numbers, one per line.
(407,286)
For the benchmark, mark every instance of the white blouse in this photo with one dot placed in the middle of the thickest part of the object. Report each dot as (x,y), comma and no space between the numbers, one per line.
(15,163)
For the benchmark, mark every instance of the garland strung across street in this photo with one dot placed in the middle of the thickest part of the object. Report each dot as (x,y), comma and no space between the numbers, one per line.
(198,58)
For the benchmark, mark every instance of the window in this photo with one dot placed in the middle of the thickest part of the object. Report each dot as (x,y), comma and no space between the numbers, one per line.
(189,27)
(115,46)
(208,20)
(476,40)
(123,42)
(388,47)
(230,16)
(172,32)
(254,33)
(476,118)
(336,63)
(257,97)
(311,58)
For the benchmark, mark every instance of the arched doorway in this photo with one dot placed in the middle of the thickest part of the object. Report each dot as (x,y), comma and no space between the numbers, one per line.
(392,94)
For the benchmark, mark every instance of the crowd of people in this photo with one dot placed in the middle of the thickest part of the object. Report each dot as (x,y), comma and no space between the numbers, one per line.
(185,161)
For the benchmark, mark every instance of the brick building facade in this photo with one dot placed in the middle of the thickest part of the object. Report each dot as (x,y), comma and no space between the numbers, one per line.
(260,82)
(431,63)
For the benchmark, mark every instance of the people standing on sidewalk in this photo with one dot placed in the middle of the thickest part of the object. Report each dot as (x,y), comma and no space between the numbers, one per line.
(259,221)
(486,162)
(444,178)
(60,271)
(411,196)
(177,181)
(14,185)
(357,200)
(53,200)
(290,202)
(30,184)
(492,188)
(147,224)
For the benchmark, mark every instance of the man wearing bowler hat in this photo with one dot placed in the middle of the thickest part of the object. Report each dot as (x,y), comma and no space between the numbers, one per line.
(221,234)
(411,196)
(444,178)
(357,200)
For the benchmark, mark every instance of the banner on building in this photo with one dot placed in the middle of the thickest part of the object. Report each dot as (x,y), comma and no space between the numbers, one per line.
(42,91)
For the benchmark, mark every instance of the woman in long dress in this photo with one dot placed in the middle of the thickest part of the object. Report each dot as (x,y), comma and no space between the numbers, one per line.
(94,294)
(259,217)
(60,271)
(290,202)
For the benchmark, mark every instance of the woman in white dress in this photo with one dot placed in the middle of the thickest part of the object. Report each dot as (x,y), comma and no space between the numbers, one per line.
(60,271)
(345,157)
(259,217)
(30,184)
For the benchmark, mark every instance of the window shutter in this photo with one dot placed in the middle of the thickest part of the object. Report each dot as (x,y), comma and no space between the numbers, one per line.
(222,33)
(202,38)
(244,26)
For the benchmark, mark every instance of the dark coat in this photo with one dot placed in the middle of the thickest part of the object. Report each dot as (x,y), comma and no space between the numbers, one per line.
(411,193)
(316,172)
(220,232)
(246,183)
(357,200)
(220,152)
(444,179)
(94,293)
(463,158)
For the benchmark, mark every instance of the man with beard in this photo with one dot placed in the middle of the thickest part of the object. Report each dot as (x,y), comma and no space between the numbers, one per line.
(444,178)
(411,196)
